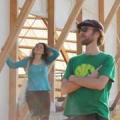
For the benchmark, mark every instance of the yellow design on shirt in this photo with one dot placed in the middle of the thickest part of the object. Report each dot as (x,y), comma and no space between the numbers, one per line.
(84,70)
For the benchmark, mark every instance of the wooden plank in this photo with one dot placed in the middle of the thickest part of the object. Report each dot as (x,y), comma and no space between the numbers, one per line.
(12,73)
(111,14)
(79,46)
(101,11)
(30,47)
(51,41)
(101,16)
(68,24)
(33,38)
(34,28)
(13,36)
(42,38)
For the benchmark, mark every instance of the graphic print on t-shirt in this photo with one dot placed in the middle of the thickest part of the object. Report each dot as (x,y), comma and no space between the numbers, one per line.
(84,70)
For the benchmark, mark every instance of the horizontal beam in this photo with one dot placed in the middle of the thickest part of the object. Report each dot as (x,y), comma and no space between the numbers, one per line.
(30,47)
(42,38)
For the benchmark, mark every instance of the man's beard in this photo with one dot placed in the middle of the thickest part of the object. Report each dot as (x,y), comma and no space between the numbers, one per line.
(86,41)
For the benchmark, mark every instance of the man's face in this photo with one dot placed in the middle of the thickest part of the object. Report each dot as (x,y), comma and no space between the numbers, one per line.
(87,35)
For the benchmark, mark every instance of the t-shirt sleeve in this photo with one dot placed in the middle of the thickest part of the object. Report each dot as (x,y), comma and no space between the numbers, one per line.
(69,70)
(13,64)
(108,68)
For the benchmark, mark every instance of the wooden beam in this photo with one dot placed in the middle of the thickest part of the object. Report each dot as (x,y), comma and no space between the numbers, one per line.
(79,46)
(34,28)
(13,36)
(42,38)
(13,73)
(51,41)
(30,47)
(111,14)
(101,16)
(101,11)
(38,28)
(68,24)
(33,38)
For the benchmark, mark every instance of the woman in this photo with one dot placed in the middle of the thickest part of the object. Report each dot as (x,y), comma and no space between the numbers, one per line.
(37,95)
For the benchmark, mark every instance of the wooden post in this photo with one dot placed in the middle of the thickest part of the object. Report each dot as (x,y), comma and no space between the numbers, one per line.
(51,41)
(79,46)
(101,16)
(12,73)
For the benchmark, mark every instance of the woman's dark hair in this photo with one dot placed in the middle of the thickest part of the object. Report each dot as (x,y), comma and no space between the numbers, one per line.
(44,56)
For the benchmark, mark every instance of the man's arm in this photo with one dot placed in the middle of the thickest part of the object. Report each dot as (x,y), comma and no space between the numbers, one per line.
(68,87)
(90,82)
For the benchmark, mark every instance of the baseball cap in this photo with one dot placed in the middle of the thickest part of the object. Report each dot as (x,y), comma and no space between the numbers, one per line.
(91,23)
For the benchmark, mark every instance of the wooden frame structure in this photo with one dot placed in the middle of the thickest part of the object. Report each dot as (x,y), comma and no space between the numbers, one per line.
(52,35)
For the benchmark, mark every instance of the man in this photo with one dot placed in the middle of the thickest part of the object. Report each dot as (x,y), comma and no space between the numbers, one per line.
(89,76)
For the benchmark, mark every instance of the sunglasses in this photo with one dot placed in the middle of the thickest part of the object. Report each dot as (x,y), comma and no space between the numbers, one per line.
(85,29)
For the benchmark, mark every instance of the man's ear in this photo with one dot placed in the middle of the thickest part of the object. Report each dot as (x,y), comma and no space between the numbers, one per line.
(97,34)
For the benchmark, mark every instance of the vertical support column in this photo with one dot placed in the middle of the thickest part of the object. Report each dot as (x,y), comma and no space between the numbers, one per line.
(51,40)
(12,73)
(101,16)
(79,46)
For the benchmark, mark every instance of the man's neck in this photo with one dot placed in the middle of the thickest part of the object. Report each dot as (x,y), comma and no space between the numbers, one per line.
(92,49)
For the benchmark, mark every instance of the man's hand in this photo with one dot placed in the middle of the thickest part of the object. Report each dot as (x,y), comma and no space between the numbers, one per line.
(95,73)
(68,87)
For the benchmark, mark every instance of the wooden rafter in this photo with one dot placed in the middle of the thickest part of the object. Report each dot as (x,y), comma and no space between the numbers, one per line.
(68,24)
(43,38)
(12,36)
(111,14)
(30,47)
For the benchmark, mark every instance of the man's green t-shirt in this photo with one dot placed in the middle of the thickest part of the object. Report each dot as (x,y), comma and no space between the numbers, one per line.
(85,101)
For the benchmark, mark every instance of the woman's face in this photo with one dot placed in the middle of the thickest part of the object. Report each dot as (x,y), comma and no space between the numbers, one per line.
(39,49)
